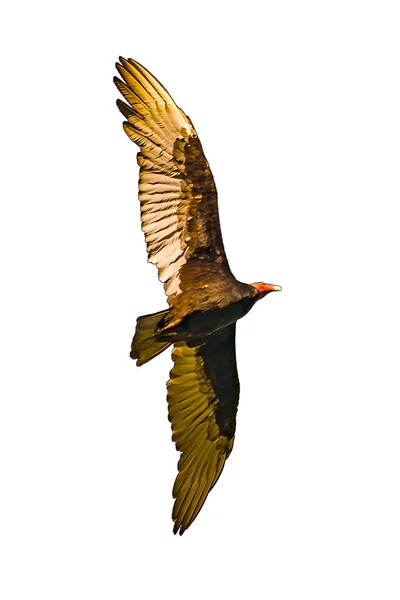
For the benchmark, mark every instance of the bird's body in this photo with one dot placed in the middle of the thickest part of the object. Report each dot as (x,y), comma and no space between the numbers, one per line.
(201,324)
(180,221)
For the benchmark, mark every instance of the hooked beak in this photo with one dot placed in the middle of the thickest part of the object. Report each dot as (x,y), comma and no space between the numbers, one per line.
(265,288)
(272,288)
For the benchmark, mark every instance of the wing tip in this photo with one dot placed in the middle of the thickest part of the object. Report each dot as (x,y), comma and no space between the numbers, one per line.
(179,528)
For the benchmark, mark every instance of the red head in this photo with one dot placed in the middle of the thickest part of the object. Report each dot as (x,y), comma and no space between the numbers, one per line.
(265,288)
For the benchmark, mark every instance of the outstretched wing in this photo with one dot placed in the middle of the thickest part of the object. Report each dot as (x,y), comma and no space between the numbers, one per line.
(203,396)
(176,188)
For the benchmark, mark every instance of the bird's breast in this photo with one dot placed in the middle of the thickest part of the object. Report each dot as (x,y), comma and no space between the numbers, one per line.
(201,324)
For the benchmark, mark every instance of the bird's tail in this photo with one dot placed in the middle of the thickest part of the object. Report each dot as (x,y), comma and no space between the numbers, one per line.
(145,344)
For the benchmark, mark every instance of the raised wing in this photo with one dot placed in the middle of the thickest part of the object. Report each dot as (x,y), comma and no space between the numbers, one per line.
(176,188)
(203,397)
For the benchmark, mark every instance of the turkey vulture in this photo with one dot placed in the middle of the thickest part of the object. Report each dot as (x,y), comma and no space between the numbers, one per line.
(179,213)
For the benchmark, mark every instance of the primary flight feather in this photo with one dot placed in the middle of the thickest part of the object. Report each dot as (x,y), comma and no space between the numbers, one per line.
(179,213)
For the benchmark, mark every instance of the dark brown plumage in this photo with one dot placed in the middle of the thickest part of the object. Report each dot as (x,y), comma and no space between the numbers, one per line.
(179,212)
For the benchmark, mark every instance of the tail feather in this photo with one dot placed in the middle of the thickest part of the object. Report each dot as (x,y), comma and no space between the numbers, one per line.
(145,345)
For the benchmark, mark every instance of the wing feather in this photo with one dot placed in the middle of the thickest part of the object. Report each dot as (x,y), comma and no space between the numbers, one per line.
(203,395)
(176,189)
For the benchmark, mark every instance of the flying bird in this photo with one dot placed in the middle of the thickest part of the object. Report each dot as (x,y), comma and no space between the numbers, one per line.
(179,214)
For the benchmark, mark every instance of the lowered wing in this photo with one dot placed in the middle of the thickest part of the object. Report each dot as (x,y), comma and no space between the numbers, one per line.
(203,397)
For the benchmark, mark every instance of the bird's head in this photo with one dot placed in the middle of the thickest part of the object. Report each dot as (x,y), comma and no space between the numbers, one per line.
(263,289)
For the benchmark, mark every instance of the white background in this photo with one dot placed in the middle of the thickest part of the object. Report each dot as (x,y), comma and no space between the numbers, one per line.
(297,105)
